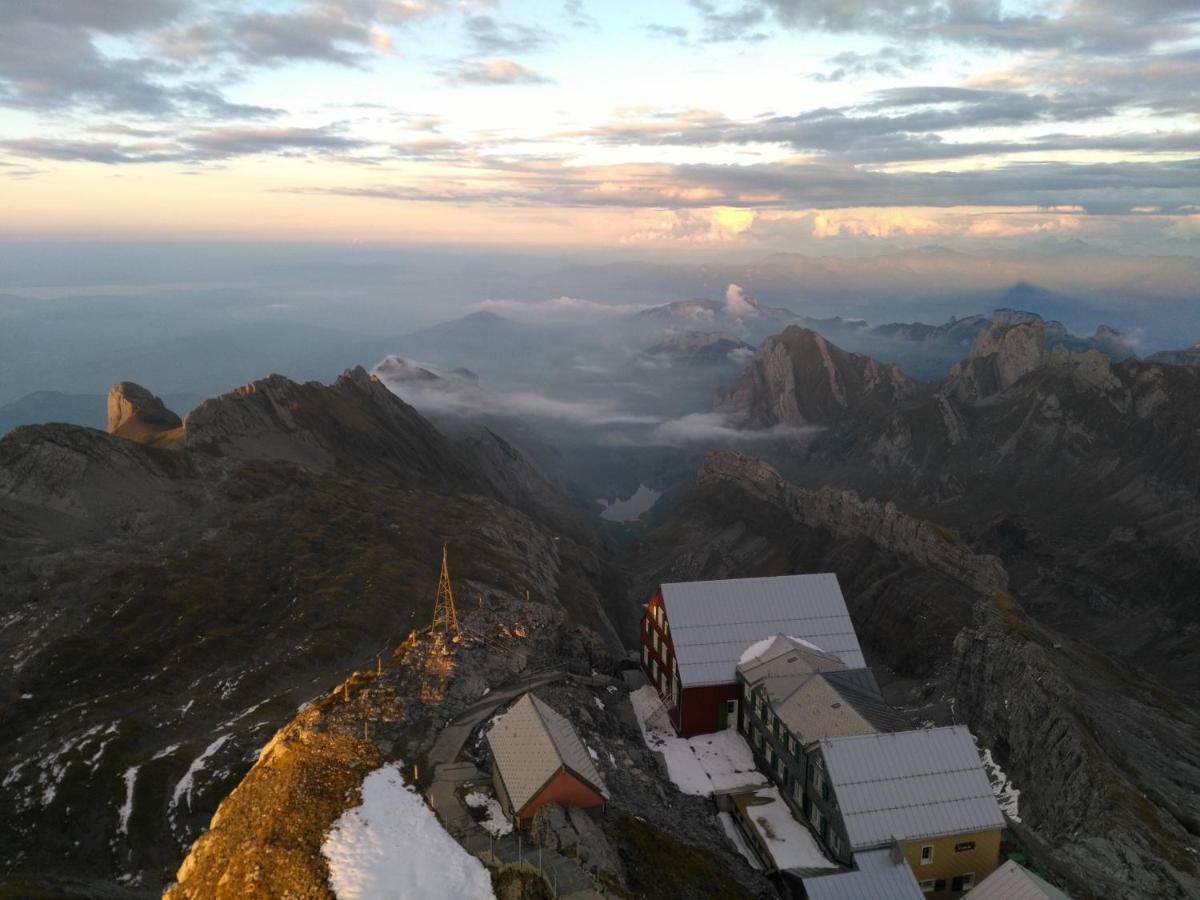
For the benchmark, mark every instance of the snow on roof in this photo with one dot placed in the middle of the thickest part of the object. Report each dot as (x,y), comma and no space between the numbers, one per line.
(1012,882)
(713,622)
(393,846)
(773,646)
(721,761)
(878,875)
(790,844)
(530,743)
(910,785)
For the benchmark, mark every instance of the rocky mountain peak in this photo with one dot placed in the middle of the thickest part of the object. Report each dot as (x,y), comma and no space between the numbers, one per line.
(799,378)
(1011,348)
(138,415)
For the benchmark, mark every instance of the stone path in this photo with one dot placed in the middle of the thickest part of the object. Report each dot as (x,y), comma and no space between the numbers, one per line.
(564,875)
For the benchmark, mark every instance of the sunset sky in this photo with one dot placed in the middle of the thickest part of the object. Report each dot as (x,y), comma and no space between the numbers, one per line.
(774,124)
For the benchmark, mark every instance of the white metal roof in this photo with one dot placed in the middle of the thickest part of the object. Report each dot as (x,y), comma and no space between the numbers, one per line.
(713,622)
(1012,882)
(878,875)
(530,743)
(909,785)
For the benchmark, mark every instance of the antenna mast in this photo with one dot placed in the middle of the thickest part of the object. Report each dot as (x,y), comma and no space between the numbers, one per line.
(445,617)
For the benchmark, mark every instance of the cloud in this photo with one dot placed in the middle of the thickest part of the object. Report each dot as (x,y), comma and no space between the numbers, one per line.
(737,303)
(456,394)
(578,16)
(672,191)
(560,310)
(493,72)
(492,37)
(714,428)
(740,24)
(889,61)
(676,33)
(199,146)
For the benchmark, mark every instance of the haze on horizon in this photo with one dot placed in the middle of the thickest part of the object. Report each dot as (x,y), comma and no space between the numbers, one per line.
(752,126)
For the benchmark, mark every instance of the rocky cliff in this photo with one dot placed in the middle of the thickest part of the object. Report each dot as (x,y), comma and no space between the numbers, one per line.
(849,516)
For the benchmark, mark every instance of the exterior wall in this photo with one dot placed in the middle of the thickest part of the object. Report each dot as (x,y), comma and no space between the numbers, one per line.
(693,710)
(699,708)
(790,766)
(948,863)
(563,788)
(501,792)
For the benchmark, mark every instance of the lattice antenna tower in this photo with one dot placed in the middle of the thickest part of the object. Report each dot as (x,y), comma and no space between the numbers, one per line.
(445,616)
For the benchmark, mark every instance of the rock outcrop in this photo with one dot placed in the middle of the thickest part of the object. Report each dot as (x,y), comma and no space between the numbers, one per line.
(1013,347)
(1187,357)
(799,378)
(1090,812)
(849,516)
(137,415)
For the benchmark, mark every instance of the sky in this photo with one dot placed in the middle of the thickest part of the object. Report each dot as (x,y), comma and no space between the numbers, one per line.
(695,124)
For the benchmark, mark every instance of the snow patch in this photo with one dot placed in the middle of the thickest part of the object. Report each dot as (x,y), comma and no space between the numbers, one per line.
(183,790)
(1007,794)
(599,703)
(790,844)
(494,823)
(738,840)
(393,847)
(126,809)
(700,765)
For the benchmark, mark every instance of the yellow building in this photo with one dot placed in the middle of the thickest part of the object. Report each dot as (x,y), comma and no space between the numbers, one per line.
(923,790)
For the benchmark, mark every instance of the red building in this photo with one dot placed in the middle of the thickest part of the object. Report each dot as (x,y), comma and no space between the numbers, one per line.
(694,633)
(538,758)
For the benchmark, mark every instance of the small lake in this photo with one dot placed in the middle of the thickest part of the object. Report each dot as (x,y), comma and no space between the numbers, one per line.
(632,507)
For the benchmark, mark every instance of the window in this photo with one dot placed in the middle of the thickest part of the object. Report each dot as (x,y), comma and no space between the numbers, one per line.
(818,778)
(927,886)
(816,818)
(964,846)
(835,845)
(964,882)
(940,884)
(675,691)
(746,690)
(927,854)
(645,656)
(779,770)
(666,628)
(798,790)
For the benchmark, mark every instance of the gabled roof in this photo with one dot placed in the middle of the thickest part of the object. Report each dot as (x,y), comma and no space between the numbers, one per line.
(1013,882)
(878,875)
(713,622)
(530,743)
(815,710)
(813,692)
(909,785)
(859,688)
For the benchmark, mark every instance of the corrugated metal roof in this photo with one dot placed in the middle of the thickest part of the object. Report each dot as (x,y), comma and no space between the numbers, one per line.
(530,743)
(1012,882)
(910,785)
(859,688)
(815,710)
(713,622)
(878,876)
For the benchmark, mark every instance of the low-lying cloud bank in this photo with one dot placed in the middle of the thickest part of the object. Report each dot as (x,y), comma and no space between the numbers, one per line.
(459,394)
(558,311)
